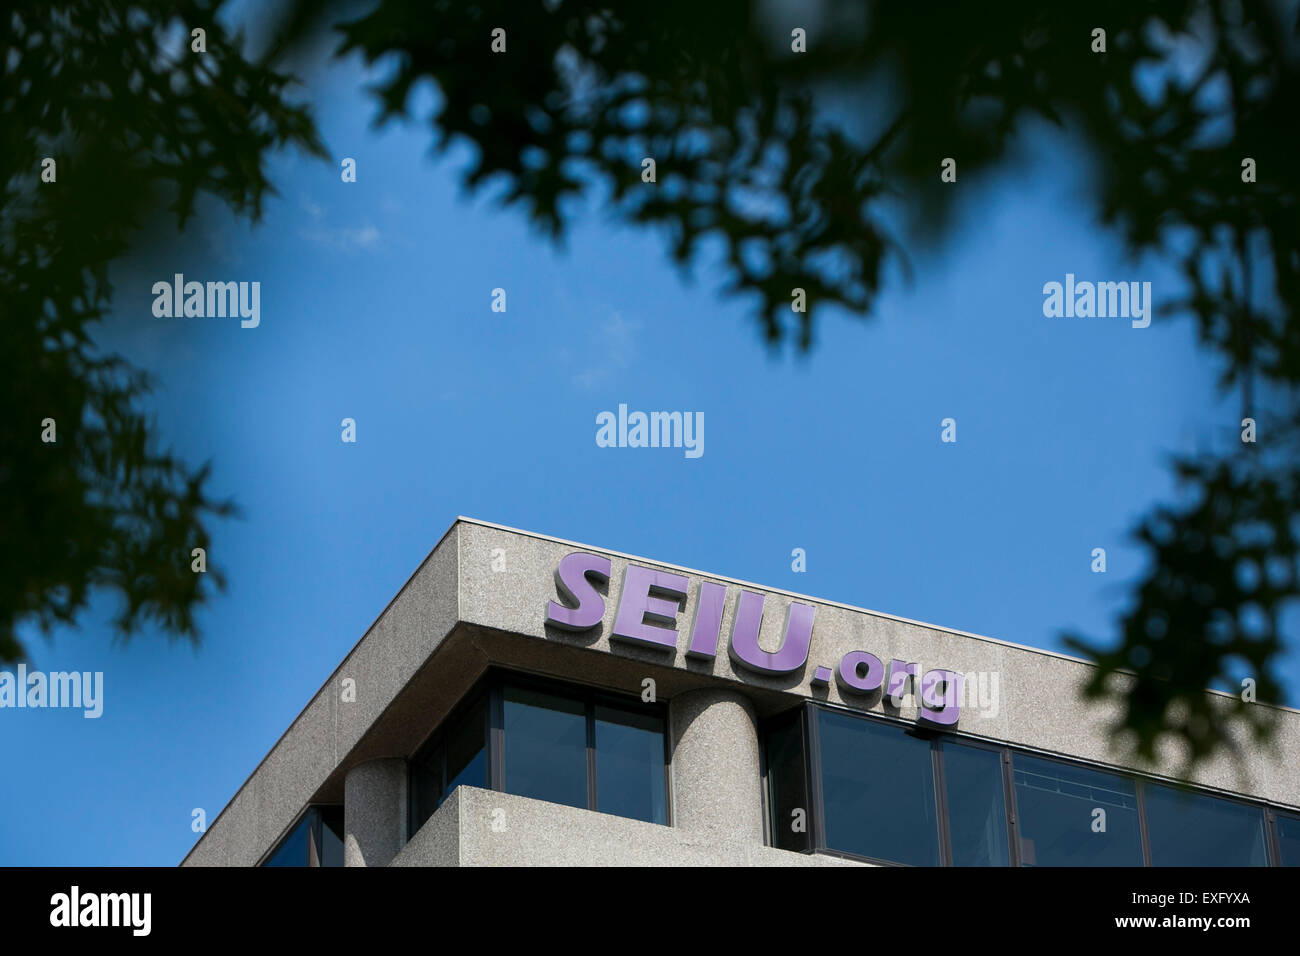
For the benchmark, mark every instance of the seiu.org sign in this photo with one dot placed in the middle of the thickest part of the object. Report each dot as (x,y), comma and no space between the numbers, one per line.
(652,599)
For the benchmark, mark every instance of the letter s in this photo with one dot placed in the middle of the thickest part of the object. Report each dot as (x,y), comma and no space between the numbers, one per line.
(571,584)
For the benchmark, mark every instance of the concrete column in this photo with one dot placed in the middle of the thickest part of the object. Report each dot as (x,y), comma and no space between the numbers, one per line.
(717,790)
(374,812)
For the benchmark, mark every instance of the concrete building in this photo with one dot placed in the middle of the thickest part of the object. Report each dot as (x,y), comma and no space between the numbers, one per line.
(527,700)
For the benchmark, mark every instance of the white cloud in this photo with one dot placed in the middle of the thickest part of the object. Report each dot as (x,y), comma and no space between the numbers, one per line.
(367,237)
(617,340)
(336,237)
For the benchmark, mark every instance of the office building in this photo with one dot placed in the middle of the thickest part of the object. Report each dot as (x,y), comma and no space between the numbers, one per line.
(527,700)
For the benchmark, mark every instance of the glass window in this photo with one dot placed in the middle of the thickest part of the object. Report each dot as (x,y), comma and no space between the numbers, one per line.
(315,840)
(787,785)
(977,808)
(1288,836)
(545,747)
(630,780)
(466,749)
(1196,829)
(1075,816)
(455,755)
(331,836)
(877,790)
(571,747)
(426,785)
(876,796)
(293,849)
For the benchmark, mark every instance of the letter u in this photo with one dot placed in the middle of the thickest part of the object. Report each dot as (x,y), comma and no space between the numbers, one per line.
(793,653)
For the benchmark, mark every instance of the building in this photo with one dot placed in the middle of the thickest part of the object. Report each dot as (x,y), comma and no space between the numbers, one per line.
(526,700)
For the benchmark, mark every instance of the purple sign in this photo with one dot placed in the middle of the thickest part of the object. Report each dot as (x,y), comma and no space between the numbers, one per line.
(794,645)
(651,599)
(588,608)
(941,708)
(852,677)
(709,605)
(644,618)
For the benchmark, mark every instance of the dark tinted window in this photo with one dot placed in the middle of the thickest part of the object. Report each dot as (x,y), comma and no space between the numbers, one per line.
(1195,829)
(977,809)
(466,749)
(1074,816)
(787,789)
(553,743)
(877,790)
(315,840)
(1288,835)
(426,785)
(630,780)
(293,849)
(456,754)
(545,747)
(876,796)
(331,836)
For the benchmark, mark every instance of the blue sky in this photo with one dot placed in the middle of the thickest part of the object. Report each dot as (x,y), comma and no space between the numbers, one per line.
(376,306)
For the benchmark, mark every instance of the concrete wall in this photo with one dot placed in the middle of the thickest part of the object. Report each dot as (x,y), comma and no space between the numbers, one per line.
(716,768)
(1038,702)
(404,666)
(374,812)
(477,827)
(408,631)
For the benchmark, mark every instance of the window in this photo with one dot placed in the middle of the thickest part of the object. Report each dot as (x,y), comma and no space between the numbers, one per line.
(977,806)
(315,840)
(551,742)
(330,834)
(1075,816)
(787,782)
(545,747)
(456,754)
(1288,838)
(877,789)
(864,786)
(584,750)
(293,849)
(1196,829)
(630,765)
(467,750)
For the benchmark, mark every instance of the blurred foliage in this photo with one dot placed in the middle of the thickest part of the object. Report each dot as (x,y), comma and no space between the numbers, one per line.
(714,94)
(750,161)
(133,120)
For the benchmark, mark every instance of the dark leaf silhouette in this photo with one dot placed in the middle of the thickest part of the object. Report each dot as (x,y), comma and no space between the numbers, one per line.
(747,156)
(133,121)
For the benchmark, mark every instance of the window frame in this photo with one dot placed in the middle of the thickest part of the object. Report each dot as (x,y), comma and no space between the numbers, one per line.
(941,794)
(315,834)
(1139,797)
(1272,848)
(492,686)
(1275,833)
(818,797)
(812,770)
(798,717)
(437,739)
